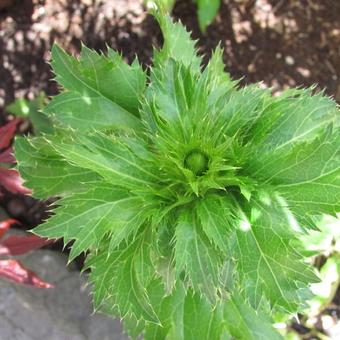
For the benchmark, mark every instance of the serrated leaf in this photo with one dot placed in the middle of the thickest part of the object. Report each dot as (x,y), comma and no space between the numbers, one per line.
(307,175)
(96,112)
(87,80)
(45,171)
(177,45)
(195,256)
(88,216)
(185,316)
(170,92)
(171,312)
(201,319)
(216,76)
(243,108)
(244,323)
(117,278)
(269,262)
(109,157)
(296,116)
(216,218)
(115,79)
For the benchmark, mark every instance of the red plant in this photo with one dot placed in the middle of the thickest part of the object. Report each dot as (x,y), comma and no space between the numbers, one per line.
(9,178)
(12,269)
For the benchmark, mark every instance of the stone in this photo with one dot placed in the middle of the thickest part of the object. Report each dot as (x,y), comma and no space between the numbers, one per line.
(62,312)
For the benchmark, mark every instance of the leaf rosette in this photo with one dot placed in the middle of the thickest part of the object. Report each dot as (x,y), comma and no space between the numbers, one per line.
(188,192)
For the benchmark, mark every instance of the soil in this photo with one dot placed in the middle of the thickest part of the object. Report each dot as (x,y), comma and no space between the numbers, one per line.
(281,43)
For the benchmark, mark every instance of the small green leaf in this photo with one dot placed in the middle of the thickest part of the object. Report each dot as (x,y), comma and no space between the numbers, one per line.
(195,256)
(177,45)
(33,110)
(89,82)
(215,215)
(207,10)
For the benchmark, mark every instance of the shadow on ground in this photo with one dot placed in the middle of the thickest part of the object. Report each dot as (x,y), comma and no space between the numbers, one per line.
(283,43)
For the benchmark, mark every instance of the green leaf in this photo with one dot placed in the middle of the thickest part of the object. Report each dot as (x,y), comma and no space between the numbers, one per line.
(244,323)
(215,215)
(108,156)
(207,10)
(295,117)
(177,44)
(121,83)
(268,258)
(185,316)
(201,319)
(170,92)
(218,80)
(242,108)
(33,109)
(89,81)
(87,112)
(117,282)
(47,173)
(171,312)
(88,216)
(195,256)
(188,316)
(307,175)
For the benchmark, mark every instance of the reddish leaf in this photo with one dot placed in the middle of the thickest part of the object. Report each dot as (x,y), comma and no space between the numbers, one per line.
(7,156)
(11,181)
(18,245)
(5,225)
(7,132)
(13,270)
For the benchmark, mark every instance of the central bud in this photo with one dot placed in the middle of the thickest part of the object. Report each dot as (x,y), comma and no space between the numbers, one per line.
(197,161)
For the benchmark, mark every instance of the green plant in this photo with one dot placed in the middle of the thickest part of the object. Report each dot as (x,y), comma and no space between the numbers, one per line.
(188,193)
(32,109)
(206,9)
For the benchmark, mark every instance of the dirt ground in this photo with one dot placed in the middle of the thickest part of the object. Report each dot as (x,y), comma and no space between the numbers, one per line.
(282,43)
